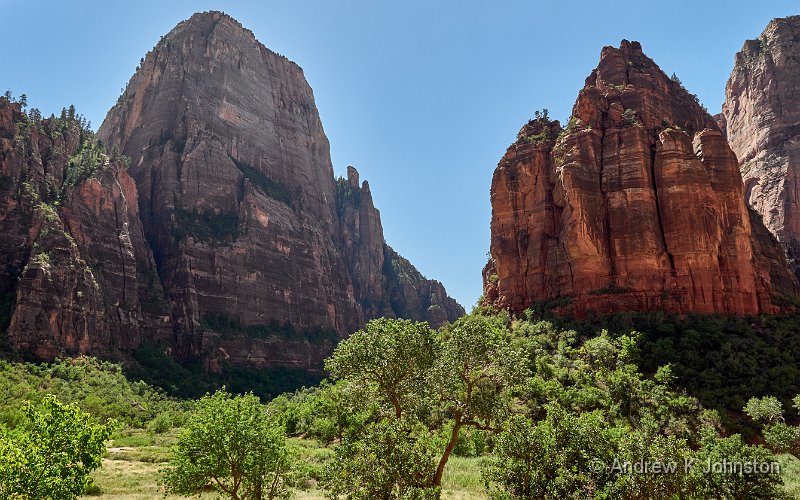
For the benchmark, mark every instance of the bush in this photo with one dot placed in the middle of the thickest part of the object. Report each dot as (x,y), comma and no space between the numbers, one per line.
(52,453)
(392,459)
(232,446)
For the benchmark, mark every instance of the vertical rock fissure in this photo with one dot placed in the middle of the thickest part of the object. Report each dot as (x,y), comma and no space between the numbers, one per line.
(121,251)
(605,209)
(659,215)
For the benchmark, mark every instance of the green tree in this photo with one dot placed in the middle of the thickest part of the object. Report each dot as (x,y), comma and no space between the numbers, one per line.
(231,445)
(462,376)
(728,452)
(475,374)
(392,460)
(768,411)
(392,356)
(52,453)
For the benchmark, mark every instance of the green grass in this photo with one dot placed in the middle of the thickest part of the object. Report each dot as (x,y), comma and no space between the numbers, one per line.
(462,479)
(131,470)
(790,471)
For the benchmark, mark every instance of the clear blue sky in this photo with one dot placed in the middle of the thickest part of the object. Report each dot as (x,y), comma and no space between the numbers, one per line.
(423,97)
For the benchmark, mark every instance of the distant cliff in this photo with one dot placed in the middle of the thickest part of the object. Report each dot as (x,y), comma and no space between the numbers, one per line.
(636,204)
(761,115)
(227,239)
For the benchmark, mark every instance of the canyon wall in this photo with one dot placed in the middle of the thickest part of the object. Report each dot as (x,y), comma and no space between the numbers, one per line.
(636,204)
(227,239)
(761,116)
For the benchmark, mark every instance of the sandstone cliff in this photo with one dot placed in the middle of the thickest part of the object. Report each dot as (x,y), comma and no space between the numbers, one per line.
(252,236)
(76,274)
(761,115)
(636,204)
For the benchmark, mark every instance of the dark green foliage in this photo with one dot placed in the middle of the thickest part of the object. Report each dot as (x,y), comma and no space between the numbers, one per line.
(270,187)
(398,269)
(189,380)
(207,226)
(230,327)
(98,388)
(83,164)
(154,366)
(346,195)
(541,138)
(630,119)
(8,297)
(6,182)
(266,383)
(589,408)
(721,360)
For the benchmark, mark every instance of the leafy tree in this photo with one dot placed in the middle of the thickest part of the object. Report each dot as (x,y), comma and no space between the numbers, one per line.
(52,453)
(392,459)
(763,484)
(779,436)
(461,376)
(475,375)
(231,445)
(327,412)
(767,409)
(552,459)
(393,356)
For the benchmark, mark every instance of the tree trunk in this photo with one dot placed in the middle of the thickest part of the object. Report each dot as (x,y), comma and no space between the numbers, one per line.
(437,479)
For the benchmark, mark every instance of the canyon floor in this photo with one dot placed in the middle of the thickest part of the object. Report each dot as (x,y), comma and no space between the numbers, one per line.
(130,471)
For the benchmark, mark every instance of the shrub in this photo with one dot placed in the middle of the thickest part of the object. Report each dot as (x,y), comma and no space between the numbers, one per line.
(52,453)
(392,459)
(231,446)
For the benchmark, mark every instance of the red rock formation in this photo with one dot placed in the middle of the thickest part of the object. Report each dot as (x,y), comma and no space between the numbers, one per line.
(762,117)
(239,203)
(229,242)
(75,271)
(635,205)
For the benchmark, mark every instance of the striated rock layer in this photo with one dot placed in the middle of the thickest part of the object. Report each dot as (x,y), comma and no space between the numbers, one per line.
(226,240)
(251,234)
(76,274)
(761,115)
(637,204)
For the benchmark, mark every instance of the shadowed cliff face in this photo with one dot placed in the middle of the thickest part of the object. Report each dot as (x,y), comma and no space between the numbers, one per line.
(247,225)
(637,204)
(762,117)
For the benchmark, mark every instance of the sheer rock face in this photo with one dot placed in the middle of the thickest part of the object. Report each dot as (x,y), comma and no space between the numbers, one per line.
(238,200)
(762,117)
(637,205)
(76,273)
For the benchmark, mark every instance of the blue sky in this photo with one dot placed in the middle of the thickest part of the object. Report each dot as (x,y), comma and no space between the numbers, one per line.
(423,97)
